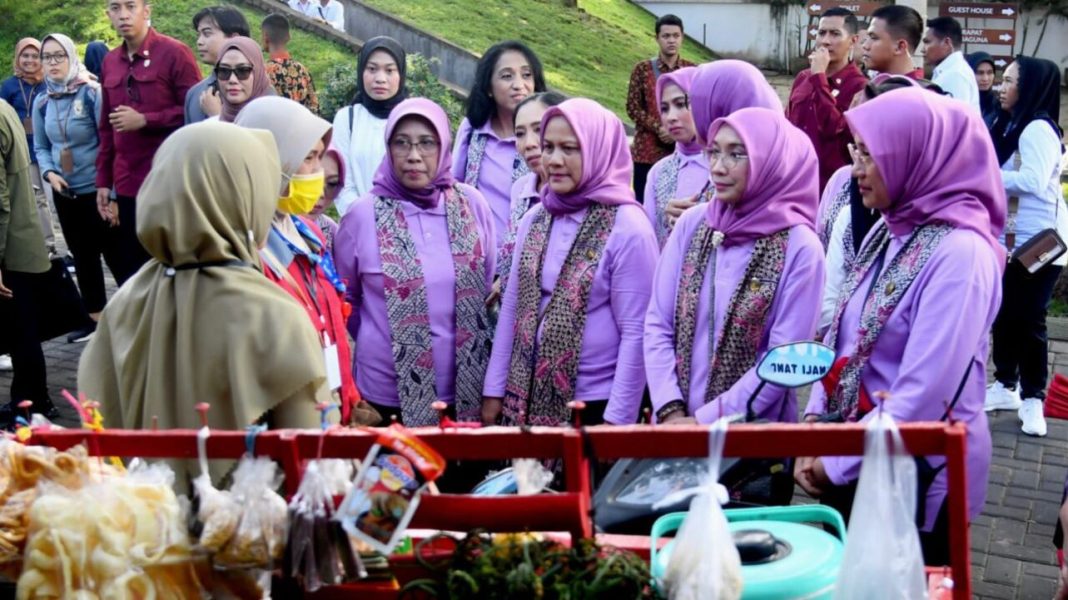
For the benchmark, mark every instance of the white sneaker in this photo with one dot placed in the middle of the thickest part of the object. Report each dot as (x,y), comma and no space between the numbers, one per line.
(999,397)
(1034,423)
(5,362)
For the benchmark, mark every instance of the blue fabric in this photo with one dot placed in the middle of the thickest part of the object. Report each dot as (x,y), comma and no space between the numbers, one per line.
(15,92)
(193,112)
(80,112)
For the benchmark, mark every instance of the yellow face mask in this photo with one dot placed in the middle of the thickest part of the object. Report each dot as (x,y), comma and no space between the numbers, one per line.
(304,192)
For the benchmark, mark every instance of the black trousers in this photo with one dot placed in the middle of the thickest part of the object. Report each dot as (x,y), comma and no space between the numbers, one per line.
(934,544)
(29,379)
(131,254)
(89,238)
(641,175)
(1020,344)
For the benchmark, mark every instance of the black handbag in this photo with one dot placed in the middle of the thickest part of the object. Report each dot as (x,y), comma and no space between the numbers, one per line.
(58,306)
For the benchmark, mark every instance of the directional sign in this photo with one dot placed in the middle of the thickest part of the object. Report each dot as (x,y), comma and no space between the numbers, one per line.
(860,9)
(1000,62)
(975,10)
(989,36)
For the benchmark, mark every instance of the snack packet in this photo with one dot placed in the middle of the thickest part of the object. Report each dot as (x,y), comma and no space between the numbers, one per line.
(386,491)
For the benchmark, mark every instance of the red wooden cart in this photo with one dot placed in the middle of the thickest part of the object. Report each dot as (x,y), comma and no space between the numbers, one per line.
(566,512)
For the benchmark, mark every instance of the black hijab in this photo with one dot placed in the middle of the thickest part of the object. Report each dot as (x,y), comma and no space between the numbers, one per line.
(94,57)
(988,99)
(381,108)
(1039,99)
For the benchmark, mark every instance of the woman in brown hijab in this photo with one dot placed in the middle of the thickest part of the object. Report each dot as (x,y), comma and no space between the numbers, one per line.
(199,322)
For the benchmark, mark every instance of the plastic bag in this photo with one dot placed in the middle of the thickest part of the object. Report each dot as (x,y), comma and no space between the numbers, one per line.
(122,536)
(319,551)
(882,545)
(260,534)
(704,563)
(386,492)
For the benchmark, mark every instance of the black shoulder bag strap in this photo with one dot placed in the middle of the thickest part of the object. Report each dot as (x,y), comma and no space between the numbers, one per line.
(925,473)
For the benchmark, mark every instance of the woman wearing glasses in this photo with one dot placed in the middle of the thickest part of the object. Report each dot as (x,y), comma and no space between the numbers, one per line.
(241,76)
(419,256)
(916,308)
(738,276)
(296,256)
(66,144)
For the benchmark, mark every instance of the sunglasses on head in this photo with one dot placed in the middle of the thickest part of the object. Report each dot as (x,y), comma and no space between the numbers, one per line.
(224,73)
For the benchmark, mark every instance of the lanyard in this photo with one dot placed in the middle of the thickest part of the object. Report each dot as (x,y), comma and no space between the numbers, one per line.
(28,99)
(325,261)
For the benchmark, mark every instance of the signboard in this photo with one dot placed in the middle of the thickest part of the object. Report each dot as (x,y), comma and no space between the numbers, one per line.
(1000,62)
(989,36)
(976,10)
(797,364)
(860,9)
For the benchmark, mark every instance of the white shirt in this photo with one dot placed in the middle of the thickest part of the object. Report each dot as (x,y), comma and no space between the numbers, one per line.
(836,269)
(1037,185)
(956,77)
(363,146)
(304,7)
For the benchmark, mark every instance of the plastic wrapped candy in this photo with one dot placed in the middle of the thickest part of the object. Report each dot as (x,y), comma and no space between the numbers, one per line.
(260,534)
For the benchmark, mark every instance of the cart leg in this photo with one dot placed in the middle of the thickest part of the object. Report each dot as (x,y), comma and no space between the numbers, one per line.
(957,496)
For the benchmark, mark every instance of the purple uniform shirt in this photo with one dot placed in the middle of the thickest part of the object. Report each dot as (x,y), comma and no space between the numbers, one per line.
(154,84)
(610,361)
(359,264)
(950,308)
(495,174)
(793,317)
(692,178)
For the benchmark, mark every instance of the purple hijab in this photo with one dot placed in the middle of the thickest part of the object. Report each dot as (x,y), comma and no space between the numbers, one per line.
(724,86)
(783,189)
(385,182)
(682,78)
(606,165)
(938,164)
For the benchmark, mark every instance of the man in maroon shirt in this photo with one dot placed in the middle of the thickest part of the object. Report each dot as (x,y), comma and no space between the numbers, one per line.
(144,83)
(893,36)
(823,92)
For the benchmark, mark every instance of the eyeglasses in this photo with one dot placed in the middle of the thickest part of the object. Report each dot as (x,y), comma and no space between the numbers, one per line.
(403,146)
(860,157)
(730,159)
(224,73)
(54,59)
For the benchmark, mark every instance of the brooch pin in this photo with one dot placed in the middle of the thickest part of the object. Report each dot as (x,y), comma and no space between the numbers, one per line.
(890,287)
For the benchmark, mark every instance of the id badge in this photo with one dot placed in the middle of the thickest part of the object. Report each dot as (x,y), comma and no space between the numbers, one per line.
(66,161)
(27,125)
(333,367)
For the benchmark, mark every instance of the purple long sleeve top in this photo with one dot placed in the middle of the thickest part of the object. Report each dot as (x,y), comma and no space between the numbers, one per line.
(793,317)
(950,307)
(494,175)
(359,263)
(610,360)
(693,175)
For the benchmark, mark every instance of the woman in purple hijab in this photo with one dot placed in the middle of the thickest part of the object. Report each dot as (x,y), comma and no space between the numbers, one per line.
(419,257)
(570,325)
(738,276)
(717,89)
(915,311)
(683,173)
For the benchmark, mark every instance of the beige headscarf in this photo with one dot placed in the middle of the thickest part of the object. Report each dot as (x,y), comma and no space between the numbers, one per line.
(182,332)
(295,130)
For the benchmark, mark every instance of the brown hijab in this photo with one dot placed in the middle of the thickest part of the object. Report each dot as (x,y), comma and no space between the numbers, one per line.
(261,84)
(199,322)
(32,78)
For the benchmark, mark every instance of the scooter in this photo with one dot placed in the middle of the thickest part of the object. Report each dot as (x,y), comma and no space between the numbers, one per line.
(623,502)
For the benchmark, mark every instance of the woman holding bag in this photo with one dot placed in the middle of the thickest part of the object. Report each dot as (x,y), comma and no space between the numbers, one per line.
(913,315)
(1028,143)
(66,143)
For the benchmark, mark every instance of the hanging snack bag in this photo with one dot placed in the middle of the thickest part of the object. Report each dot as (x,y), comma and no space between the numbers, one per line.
(386,492)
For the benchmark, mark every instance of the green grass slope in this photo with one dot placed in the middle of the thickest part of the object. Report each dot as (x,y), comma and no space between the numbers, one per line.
(588,51)
(86,20)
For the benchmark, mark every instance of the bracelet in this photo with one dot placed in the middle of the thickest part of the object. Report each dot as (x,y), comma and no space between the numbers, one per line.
(669,409)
